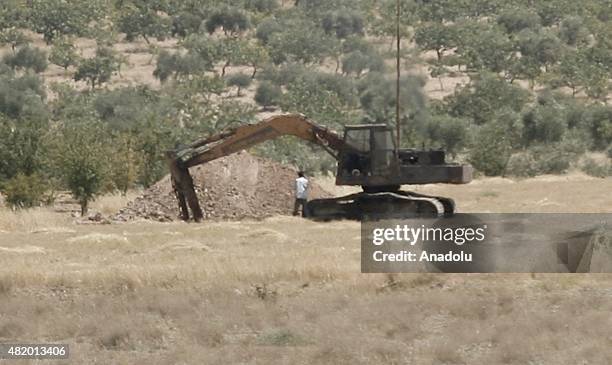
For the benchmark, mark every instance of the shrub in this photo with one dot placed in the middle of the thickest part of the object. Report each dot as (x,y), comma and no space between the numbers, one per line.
(267,28)
(285,74)
(597,168)
(515,20)
(448,132)
(231,20)
(24,191)
(262,6)
(551,159)
(80,155)
(484,97)
(494,143)
(239,81)
(521,164)
(544,124)
(28,58)
(343,24)
(358,62)
(491,151)
(185,23)
(598,119)
(268,94)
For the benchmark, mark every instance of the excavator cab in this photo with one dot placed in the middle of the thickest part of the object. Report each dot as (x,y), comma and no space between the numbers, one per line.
(370,151)
(369,159)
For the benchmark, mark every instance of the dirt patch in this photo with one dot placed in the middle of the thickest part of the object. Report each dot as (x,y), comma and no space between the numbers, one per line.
(234,187)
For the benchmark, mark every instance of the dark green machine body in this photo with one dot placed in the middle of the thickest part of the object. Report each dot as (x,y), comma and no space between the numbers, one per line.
(373,162)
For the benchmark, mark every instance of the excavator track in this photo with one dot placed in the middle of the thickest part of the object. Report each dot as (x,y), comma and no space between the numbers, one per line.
(381,205)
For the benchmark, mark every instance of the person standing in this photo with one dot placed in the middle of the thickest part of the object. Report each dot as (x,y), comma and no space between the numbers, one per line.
(301,194)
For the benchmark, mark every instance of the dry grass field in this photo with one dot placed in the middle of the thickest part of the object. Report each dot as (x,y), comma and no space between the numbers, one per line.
(289,291)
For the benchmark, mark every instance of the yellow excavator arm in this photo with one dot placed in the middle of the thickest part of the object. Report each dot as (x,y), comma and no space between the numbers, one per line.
(235,140)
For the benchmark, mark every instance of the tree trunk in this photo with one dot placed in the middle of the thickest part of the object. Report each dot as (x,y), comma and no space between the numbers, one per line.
(254,72)
(84,207)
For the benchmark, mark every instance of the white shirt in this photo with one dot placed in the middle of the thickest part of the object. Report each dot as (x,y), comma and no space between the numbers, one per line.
(301,187)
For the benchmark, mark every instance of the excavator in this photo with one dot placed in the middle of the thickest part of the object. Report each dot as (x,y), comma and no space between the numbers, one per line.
(367,155)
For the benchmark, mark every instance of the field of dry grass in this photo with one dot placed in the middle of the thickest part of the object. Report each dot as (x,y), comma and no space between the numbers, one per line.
(289,291)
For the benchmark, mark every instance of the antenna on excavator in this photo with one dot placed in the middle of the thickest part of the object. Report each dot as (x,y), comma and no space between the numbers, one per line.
(397,80)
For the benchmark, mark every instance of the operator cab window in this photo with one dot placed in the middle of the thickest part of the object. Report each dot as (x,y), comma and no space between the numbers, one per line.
(359,139)
(356,160)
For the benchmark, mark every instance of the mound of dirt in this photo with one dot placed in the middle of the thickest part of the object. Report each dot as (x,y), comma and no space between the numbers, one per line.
(234,187)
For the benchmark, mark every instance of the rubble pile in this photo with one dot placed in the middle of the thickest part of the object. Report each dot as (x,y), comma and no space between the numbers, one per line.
(234,187)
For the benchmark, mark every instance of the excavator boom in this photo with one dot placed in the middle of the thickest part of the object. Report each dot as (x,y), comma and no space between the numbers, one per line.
(245,136)
(235,140)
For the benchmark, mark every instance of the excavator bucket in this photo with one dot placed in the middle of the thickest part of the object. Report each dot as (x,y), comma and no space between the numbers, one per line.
(182,183)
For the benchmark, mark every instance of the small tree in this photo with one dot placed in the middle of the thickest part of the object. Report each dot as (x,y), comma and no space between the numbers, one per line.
(21,150)
(256,56)
(544,124)
(513,20)
(13,37)
(447,132)
(436,37)
(267,28)
(231,20)
(494,143)
(301,41)
(167,65)
(205,50)
(239,81)
(63,54)
(125,162)
(142,19)
(485,48)
(573,32)
(484,97)
(22,97)
(185,23)
(53,18)
(99,69)
(80,156)
(268,94)
(343,23)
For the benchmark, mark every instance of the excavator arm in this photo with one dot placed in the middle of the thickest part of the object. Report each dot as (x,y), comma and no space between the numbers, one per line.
(235,140)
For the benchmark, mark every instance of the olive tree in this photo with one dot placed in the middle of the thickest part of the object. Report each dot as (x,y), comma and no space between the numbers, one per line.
(239,81)
(64,54)
(28,58)
(99,69)
(13,37)
(79,153)
(268,94)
